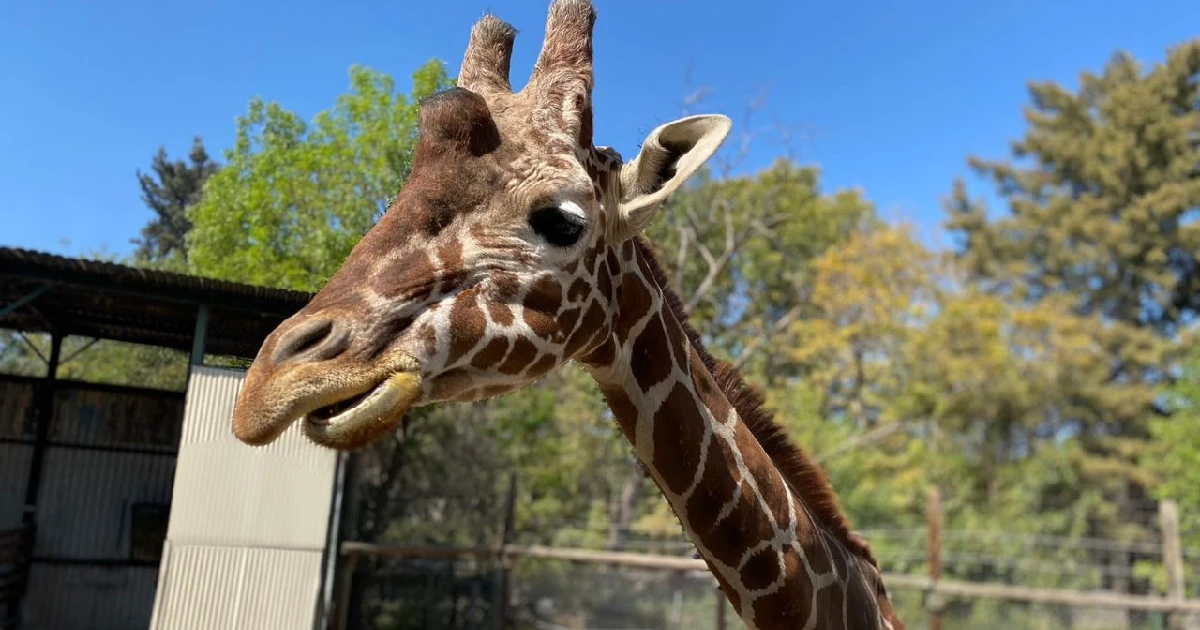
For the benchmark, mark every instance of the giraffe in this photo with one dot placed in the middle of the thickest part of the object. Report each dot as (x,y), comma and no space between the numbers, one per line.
(514,248)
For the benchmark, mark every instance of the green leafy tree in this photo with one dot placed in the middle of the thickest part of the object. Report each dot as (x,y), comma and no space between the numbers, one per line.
(1176,456)
(174,187)
(294,197)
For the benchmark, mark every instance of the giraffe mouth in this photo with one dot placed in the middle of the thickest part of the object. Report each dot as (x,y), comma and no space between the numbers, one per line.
(364,417)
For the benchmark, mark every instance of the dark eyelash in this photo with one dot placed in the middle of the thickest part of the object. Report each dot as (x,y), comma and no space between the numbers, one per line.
(556,226)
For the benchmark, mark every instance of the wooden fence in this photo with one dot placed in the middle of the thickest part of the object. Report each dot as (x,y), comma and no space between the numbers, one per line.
(935,589)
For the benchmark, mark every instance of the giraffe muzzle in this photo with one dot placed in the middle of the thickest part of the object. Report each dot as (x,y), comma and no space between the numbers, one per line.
(338,407)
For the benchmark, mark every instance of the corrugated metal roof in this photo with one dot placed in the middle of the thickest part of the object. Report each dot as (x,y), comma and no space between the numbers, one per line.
(111,301)
(197,289)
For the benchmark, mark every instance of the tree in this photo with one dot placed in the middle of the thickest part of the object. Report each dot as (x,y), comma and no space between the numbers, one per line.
(178,187)
(294,198)
(1098,252)
(1103,206)
(869,294)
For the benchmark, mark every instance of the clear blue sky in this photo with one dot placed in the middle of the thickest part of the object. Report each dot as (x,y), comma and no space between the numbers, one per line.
(894,95)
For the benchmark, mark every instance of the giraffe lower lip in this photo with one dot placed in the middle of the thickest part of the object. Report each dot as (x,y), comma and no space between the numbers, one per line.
(367,414)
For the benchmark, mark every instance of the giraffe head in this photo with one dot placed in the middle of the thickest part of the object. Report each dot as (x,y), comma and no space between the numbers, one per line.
(494,265)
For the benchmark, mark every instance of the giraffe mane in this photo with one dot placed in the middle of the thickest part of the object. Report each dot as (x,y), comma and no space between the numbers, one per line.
(805,476)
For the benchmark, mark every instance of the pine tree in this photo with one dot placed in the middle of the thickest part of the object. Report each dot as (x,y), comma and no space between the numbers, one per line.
(1104,205)
(178,186)
(1102,195)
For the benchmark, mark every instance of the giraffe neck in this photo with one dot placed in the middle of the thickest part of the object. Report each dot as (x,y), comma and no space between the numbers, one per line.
(777,565)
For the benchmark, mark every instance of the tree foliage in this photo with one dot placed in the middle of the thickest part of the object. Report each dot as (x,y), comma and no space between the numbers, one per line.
(1103,195)
(294,197)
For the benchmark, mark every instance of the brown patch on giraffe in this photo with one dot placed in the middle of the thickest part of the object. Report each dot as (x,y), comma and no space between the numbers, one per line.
(541,366)
(706,389)
(501,314)
(675,455)
(623,410)
(603,354)
(614,263)
(792,600)
(451,383)
(491,354)
(585,131)
(568,319)
(543,325)
(523,352)
(814,545)
(468,327)
(743,526)
(717,486)
(635,302)
(507,285)
(429,338)
(770,483)
(648,349)
(604,281)
(680,348)
(545,296)
(761,569)
(590,326)
(579,290)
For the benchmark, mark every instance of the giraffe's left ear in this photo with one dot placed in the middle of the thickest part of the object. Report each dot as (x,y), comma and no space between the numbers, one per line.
(670,154)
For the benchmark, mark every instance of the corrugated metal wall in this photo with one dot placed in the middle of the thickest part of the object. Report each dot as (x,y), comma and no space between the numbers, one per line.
(248,525)
(14,476)
(16,449)
(107,473)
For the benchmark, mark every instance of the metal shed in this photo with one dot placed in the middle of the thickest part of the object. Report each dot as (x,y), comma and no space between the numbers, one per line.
(97,483)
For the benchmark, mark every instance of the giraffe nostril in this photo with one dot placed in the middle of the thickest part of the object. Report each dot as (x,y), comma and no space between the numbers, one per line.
(316,340)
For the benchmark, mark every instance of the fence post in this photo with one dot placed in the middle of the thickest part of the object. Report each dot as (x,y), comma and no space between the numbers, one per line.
(1172,551)
(502,557)
(720,607)
(349,564)
(933,600)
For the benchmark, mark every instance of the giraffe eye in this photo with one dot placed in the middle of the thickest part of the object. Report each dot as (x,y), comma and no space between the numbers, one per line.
(557,226)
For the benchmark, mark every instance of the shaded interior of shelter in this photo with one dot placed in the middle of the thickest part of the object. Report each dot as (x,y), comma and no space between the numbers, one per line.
(86,469)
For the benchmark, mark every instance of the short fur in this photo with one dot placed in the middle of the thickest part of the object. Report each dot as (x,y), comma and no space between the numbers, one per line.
(803,475)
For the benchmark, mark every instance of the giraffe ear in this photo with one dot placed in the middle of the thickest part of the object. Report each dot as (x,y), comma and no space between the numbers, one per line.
(670,154)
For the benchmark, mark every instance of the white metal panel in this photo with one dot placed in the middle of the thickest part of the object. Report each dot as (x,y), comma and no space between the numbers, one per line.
(232,494)
(208,586)
(248,525)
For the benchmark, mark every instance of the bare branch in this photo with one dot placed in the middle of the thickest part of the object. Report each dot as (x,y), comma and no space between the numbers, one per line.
(779,326)
(866,439)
